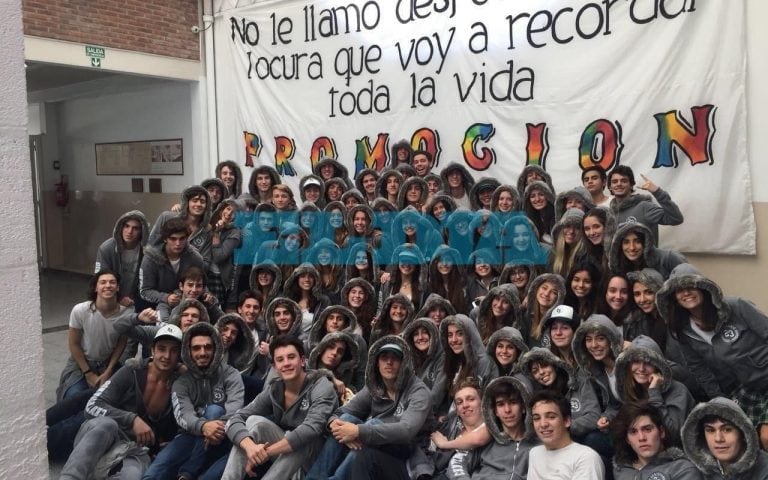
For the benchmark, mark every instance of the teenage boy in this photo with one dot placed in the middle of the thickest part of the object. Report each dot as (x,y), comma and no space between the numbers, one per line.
(373,435)
(642,447)
(133,406)
(559,458)
(192,285)
(630,206)
(161,266)
(506,414)
(285,423)
(721,441)
(594,180)
(123,253)
(203,400)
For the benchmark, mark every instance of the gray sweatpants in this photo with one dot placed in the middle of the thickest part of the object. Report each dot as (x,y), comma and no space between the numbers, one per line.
(285,466)
(95,438)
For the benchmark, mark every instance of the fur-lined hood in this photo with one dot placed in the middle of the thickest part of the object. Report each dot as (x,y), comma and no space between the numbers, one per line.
(448,201)
(326,244)
(512,335)
(117,232)
(381,183)
(573,217)
(306,267)
(686,276)
(506,291)
(434,335)
(595,323)
(448,253)
(473,344)
(194,191)
(303,184)
(522,177)
(579,192)
(497,194)
(535,253)
(359,179)
(541,187)
(413,250)
(351,356)
(695,445)
(277,283)
(402,144)
(648,277)
(186,353)
(535,283)
(362,207)
(372,376)
(239,353)
(489,407)
(506,273)
(643,349)
(293,307)
(339,170)
(401,195)
(318,331)
(482,184)
(370,293)
(486,219)
(432,301)
(486,255)
(252,189)
(639,229)
(373,261)
(210,182)
(384,323)
(544,355)
(357,194)
(237,187)
(183,305)
(467,179)
(336,181)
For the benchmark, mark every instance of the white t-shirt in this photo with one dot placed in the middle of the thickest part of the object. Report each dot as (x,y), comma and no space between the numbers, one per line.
(706,336)
(573,462)
(99,335)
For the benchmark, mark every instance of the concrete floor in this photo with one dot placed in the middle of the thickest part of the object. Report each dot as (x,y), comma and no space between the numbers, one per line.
(59,292)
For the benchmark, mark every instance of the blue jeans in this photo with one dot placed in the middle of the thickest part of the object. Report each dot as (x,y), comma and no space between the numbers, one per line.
(186,454)
(331,464)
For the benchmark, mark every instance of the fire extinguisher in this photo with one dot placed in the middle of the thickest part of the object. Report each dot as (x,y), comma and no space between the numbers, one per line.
(62,192)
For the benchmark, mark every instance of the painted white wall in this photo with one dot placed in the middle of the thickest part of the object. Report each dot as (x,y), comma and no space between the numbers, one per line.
(23,453)
(757,97)
(154,112)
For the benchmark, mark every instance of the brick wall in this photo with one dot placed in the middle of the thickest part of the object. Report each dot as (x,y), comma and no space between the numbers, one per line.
(160,27)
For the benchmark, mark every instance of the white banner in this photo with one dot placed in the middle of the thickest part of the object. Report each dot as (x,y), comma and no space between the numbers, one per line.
(493,84)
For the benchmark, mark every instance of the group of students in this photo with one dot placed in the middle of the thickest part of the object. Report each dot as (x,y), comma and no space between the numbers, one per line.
(513,333)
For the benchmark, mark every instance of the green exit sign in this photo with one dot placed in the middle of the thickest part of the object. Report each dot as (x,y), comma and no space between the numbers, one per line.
(94,52)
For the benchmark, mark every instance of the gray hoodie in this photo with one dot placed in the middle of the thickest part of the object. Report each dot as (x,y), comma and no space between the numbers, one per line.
(738,354)
(503,458)
(238,185)
(753,462)
(304,421)
(318,334)
(144,334)
(201,238)
(668,464)
(218,384)
(640,208)
(347,370)
(482,184)
(580,193)
(157,278)
(431,369)
(526,321)
(585,409)
(242,353)
(663,261)
(513,336)
(486,324)
(672,398)
(521,179)
(402,418)
(588,368)
(109,255)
